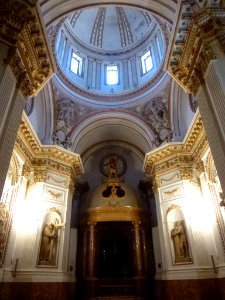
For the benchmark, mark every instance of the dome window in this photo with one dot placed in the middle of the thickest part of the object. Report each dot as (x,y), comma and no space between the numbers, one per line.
(112,75)
(146,62)
(76,64)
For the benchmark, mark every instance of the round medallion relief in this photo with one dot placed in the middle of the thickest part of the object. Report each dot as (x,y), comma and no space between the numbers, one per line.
(113,161)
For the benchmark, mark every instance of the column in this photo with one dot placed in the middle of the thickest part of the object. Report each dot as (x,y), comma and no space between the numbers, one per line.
(211,102)
(11,115)
(90,261)
(11,102)
(145,252)
(91,251)
(84,250)
(137,242)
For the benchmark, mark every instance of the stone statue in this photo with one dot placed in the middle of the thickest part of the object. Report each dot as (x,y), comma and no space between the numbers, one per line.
(48,244)
(181,248)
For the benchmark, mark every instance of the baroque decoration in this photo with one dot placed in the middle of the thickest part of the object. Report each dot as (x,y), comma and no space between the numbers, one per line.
(31,63)
(43,159)
(156,115)
(6,203)
(113,165)
(68,114)
(199,25)
(184,157)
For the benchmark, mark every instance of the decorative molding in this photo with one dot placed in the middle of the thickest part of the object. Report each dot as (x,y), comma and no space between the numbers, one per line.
(31,63)
(186,173)
(171,207)
(178,156)
(114,213)
(5,224)
(14,14)
(40,159)
(197,25)
(172,192)
(55,195)
(155,113)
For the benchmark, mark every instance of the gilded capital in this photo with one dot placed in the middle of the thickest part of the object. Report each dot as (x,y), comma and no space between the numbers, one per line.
(186,173)
(191,49)
(30,60)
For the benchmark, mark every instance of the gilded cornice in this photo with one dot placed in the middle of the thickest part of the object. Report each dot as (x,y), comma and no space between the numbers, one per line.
(14,14)
(41,158)
(182,156)
(197,25)
(102,214)
(31,62)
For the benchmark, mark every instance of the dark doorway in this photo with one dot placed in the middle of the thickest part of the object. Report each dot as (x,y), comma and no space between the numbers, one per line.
(114,251)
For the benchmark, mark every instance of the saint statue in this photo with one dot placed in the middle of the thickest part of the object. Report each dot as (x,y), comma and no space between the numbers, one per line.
(181,248)
(49,241)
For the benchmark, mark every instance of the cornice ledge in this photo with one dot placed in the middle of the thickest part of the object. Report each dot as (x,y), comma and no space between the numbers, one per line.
(197,25)
(44,156)
(32,62)
(179,153)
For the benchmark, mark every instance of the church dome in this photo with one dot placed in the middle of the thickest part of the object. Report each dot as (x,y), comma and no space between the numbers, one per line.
(109,54)
(110,29)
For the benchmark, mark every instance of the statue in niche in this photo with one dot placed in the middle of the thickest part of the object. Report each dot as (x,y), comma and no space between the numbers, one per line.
(49,243)
(47,251)
(180,242)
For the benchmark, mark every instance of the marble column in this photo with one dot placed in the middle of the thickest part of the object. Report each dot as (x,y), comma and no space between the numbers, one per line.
(137,242)
(144,251)
(91,251)
(84,250)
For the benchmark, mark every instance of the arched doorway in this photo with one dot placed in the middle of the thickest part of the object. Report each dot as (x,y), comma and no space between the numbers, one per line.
(114,243)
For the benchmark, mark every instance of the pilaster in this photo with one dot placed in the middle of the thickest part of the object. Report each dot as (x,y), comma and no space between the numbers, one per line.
(25,66)
(196,61)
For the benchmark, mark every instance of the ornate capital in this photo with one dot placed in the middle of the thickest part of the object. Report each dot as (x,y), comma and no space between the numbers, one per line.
(156,184)
(14,14)
(31,61)
(186,173)
(39,176)
(197,25)
(71,184)
(200,167)
(26,170)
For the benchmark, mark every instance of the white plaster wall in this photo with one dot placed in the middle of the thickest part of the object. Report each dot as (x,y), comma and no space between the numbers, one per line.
(42,116)
(181,115)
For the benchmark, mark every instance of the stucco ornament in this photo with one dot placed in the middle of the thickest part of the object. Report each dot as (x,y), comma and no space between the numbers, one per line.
(156,115)
(67,115)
